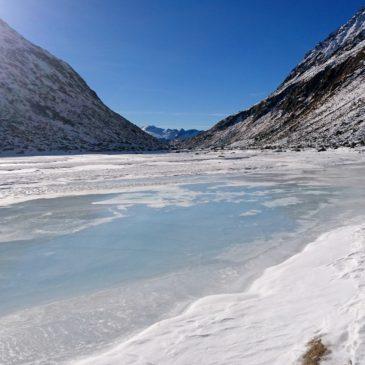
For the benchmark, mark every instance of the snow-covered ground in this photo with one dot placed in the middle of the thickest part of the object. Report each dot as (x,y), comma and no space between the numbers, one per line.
(27,177)
(317,292)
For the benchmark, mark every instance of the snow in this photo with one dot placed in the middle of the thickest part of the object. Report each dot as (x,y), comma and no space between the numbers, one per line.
(272,320)
(326,50)
(316,293)
(282,202)
(46,106)
(250,213)
(320,103)
(170,134)
(34,177)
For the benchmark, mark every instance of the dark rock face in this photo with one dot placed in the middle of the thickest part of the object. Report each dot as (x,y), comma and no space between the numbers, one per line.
(320,103)
(46,106)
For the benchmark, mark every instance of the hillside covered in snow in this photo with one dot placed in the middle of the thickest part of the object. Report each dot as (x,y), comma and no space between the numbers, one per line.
(320,103)
(46,106)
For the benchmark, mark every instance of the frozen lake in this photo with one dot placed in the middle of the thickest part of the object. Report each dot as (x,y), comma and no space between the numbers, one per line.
(80,273)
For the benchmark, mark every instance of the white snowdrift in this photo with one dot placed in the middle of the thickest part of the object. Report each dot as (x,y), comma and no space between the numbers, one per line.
(318,292)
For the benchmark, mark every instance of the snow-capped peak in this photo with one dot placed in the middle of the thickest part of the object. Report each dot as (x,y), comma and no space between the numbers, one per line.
(170,134)
(347,39)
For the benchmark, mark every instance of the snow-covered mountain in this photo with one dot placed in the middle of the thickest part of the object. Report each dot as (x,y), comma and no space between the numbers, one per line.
(321,102)
(46,106)
(170,134)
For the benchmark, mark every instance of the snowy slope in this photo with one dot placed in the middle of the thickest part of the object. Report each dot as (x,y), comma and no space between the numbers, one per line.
(321,102)
(45,105)
(170,134)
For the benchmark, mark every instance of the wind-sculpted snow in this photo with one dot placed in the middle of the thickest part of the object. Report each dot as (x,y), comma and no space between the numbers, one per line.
(46,106)
(320,103)
(317,293)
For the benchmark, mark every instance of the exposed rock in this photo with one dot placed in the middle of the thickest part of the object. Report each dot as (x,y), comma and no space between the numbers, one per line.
(46,106)
(321,102)
(321,149)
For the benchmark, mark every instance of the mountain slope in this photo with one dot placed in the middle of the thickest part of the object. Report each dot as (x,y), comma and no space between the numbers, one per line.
(170,134)
(45,105)
(321,102)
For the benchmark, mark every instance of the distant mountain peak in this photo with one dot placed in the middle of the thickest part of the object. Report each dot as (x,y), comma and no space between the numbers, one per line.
(170,134)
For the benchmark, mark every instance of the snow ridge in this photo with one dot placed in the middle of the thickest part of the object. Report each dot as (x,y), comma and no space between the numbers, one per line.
(321,102)
(347,36)
(46,106)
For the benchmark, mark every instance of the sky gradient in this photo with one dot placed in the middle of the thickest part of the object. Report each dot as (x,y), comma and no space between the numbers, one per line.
(178,63)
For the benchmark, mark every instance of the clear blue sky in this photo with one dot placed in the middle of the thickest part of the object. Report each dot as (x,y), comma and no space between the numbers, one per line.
(178,63)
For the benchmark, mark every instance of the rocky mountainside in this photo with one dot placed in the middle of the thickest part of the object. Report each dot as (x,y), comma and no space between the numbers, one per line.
(171,134)
(46,106)
(320,103)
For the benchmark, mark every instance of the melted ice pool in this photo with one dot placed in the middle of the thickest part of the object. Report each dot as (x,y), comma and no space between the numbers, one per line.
(79,273)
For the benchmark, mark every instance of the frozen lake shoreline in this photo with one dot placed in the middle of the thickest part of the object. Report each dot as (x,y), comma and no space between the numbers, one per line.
(281,183)
(317,293)
(35,177)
